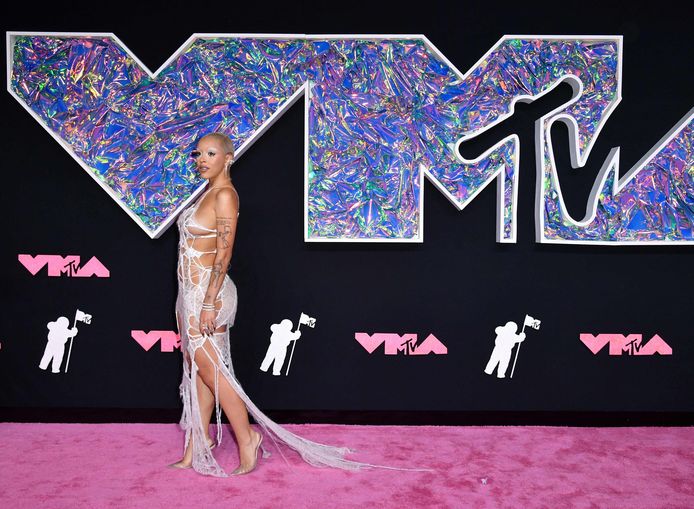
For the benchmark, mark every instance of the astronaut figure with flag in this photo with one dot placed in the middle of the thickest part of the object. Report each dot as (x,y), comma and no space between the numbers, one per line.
(282,335)
(58,334)
(506,339)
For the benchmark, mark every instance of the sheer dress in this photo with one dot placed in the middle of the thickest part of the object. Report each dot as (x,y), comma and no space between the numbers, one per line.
(193,280)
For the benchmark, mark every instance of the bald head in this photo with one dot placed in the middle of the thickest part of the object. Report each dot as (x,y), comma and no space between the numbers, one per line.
(223,140)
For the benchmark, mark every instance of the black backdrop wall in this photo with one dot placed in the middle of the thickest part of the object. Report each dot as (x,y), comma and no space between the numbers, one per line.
(458,285)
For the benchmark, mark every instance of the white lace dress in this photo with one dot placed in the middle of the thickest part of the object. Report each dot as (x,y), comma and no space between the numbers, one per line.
(193,279)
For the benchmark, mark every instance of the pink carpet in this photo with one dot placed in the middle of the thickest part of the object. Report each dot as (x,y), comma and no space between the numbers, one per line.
(123,465)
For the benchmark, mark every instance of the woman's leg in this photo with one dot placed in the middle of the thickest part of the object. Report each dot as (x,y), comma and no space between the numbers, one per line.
(233,406)
(206,399)
(206,404)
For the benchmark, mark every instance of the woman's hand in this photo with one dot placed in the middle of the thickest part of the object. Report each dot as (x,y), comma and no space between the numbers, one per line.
(207,322)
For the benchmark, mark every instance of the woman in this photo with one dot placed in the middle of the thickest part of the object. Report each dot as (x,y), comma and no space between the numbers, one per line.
(205,309)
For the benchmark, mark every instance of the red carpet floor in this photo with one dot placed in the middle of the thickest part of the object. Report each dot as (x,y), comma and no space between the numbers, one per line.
(124,465)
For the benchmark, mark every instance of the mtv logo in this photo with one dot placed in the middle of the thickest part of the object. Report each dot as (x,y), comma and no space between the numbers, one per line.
(131,129)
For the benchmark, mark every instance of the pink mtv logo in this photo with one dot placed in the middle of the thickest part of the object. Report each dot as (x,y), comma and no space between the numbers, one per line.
(68,265)
(629,345)
(170,340)
(405,344)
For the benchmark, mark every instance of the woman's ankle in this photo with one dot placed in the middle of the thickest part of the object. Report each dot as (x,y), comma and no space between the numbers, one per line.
(253,437)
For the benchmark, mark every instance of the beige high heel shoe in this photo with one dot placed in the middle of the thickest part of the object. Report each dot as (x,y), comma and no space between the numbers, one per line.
(181,465)
(247,470)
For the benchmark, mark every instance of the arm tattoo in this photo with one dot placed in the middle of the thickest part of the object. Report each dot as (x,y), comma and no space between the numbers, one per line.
(224,231)
(218,270)
(217,274)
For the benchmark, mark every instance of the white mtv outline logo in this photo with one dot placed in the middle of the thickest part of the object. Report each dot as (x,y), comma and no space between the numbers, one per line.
(578,159)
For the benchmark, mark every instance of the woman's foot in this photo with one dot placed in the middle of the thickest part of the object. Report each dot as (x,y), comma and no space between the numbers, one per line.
(187,461)
(181,464)
(249,454)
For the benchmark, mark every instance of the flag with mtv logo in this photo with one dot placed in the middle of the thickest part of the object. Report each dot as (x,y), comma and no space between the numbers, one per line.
(528,322)
(83,317)
(307,320)
(80,316)
(304,319)
(531,322)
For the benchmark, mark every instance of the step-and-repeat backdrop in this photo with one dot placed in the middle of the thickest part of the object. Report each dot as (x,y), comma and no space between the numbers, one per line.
(439,221)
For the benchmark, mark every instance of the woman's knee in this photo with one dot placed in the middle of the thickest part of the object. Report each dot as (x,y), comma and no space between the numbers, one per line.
(205,370)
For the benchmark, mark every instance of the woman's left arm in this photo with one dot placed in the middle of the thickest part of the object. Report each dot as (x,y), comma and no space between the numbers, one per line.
(226,209)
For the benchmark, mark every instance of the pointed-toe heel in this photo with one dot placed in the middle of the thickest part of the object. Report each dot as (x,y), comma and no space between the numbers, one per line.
(241,470)
(266,453)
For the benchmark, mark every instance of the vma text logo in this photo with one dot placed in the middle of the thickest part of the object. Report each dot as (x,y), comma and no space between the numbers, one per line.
(626,345)
(170,340)
(406,344)
(63,266)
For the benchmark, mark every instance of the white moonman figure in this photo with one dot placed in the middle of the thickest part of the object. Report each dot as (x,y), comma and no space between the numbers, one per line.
(506,339)
(58,334)
(282,335)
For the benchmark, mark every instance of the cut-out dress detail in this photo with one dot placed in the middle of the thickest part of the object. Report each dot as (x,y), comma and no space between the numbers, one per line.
(193,280)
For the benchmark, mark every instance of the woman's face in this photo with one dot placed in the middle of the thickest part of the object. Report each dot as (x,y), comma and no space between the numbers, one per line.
(210,159)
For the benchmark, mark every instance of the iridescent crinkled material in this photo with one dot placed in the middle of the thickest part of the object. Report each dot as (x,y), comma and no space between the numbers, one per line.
(381,111)
(655,205)
(136,132)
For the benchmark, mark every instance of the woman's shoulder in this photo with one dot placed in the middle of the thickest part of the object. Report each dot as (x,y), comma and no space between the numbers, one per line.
(225,193)
(226,190)
(227,196)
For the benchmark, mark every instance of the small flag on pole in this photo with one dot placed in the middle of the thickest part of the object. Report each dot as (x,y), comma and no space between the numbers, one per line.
(304,319)
(83,317)
(531,322)
(307,320)
(528,322)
